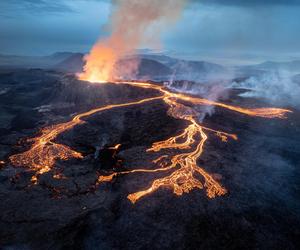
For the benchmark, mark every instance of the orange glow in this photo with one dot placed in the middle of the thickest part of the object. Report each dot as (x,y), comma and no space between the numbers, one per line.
(261,112)
(59,176)
(116,147)
(185,148)
(99,64)
(34,180)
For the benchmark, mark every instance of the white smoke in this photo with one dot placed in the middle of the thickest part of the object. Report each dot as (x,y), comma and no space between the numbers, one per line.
(214,94)
(277,87)
(212,91)
(210,82)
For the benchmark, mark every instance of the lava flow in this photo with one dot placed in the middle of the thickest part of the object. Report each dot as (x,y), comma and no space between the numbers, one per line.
(44,151)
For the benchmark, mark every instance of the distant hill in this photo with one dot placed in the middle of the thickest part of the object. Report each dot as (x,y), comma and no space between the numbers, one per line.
(146,68)
(72,64)
(188,70)
(182,65)
(59,56)
(293,66)
(166,60)
(15,61)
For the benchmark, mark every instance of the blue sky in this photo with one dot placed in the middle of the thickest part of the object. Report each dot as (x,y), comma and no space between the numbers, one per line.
(39,27)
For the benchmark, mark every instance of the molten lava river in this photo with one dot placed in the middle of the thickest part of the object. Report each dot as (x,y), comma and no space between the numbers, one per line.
(189,145)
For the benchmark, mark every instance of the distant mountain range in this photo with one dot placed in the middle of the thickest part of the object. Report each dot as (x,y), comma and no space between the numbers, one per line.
(155,67)
(15,61)
(151,66)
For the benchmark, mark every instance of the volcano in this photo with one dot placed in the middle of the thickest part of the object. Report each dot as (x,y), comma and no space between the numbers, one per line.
(169,128)
(121,164)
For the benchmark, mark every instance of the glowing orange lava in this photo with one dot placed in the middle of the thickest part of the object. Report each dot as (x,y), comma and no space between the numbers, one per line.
(190,143)
(44,152)
(99,64)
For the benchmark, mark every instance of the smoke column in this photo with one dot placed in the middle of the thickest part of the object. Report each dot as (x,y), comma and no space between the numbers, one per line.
(130,21)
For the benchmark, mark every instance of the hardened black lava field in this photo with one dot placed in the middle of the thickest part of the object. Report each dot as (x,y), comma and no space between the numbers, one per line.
(68,208)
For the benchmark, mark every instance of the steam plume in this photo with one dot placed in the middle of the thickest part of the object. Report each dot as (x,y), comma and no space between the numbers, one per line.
(278,87)
(131,21)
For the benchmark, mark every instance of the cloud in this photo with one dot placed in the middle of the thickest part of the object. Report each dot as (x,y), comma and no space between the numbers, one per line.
(16,7)
(247,3)
(221,31)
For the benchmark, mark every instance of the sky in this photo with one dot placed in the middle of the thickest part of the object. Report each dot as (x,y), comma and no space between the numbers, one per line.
(207,27)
